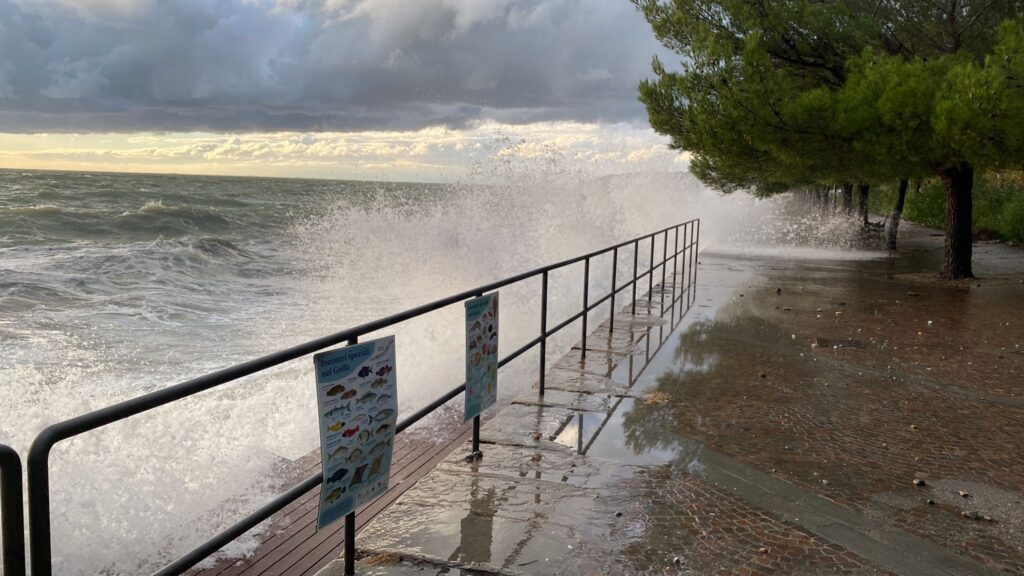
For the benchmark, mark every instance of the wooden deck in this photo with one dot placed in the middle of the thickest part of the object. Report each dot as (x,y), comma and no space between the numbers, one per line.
(293,547)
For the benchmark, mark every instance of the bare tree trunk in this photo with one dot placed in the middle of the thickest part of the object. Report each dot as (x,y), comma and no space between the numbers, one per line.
(862,207)
(892,226)
(846,202)
(956,258)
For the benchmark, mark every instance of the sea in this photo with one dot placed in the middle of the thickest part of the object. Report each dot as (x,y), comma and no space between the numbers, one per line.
(114,285)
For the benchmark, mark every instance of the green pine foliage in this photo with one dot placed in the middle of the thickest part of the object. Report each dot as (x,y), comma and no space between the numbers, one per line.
(772,96)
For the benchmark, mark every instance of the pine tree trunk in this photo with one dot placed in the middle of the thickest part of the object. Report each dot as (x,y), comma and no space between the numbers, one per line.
(892,226)
(863,189)
(846,203)
(956,260)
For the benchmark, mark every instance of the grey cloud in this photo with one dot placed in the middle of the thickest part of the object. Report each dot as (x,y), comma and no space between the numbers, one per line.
(345,65)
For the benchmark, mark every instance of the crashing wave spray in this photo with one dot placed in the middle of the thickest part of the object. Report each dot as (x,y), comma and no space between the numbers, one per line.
(134,495)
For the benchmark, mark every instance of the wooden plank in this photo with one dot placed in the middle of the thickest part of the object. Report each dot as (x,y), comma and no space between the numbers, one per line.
(304,527)
(315,546)
(292,543)
(323,555)
(281,524)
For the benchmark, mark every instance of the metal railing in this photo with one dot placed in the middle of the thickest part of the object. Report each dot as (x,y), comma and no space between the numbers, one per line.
(11,512)
(39,453)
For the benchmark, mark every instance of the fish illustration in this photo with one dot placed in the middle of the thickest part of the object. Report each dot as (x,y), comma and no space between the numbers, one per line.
(334,495)
(335,390)
(472,345)
(336,427)
(357,478)
(379,383)
(384,370)
(336,413)
(383,428)
(349,394)
(338,452)
(375,466)
(365,371)
(384,399)
(378,449)
(364,435)
(382,415)
(355,455)
(366,398)
(350,432)
(337,476)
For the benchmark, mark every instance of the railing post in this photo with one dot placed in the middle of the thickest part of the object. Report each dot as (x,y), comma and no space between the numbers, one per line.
(683,274)
(543,329)
(350,543)
(350,523)
(636,257)
(615,273)
(687,246)
(690,258)
(13,514)
(586,303)
(39,504)
(696,248)
(675,269)
(650,277)
(664,268)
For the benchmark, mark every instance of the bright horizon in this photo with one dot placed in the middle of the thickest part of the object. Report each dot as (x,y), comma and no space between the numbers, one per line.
(355,89)
(427,155)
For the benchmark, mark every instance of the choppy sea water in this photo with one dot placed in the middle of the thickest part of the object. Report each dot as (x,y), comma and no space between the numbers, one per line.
(112,285)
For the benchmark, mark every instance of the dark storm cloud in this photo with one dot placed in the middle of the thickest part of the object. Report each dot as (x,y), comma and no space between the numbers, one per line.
(244,65)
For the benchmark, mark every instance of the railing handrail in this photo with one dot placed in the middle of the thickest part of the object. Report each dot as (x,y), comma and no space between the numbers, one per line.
(11,508)
(38,457)
(115,412)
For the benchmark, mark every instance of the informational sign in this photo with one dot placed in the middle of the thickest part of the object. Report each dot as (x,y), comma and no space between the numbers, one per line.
(481,354)
(356,390)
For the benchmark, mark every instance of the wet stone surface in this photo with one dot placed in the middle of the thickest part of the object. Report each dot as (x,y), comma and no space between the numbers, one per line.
(568,380)
(516,462)
(815,417)
(595,363)
(676,523)
(496,524)
(571,400)
(531,426)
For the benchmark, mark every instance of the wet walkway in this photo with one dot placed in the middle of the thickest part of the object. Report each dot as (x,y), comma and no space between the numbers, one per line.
(811,417)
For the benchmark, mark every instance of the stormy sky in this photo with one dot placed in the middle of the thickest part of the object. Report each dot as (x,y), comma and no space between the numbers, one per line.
(220,67)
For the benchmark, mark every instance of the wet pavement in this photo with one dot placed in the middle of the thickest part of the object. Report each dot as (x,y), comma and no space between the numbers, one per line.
(808,417)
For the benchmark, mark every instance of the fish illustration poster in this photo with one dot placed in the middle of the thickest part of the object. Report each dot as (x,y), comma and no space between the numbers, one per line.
(356,390)
(481,354)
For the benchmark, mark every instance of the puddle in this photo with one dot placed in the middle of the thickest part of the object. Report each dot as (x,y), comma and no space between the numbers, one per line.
(580,430)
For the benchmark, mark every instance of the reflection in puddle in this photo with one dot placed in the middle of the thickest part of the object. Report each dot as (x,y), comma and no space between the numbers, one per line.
(614,442)
(580,430)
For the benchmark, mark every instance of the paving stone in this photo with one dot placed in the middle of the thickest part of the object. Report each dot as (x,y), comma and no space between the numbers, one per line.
(531,426)
(596,362)
(575,381)
(569,400)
